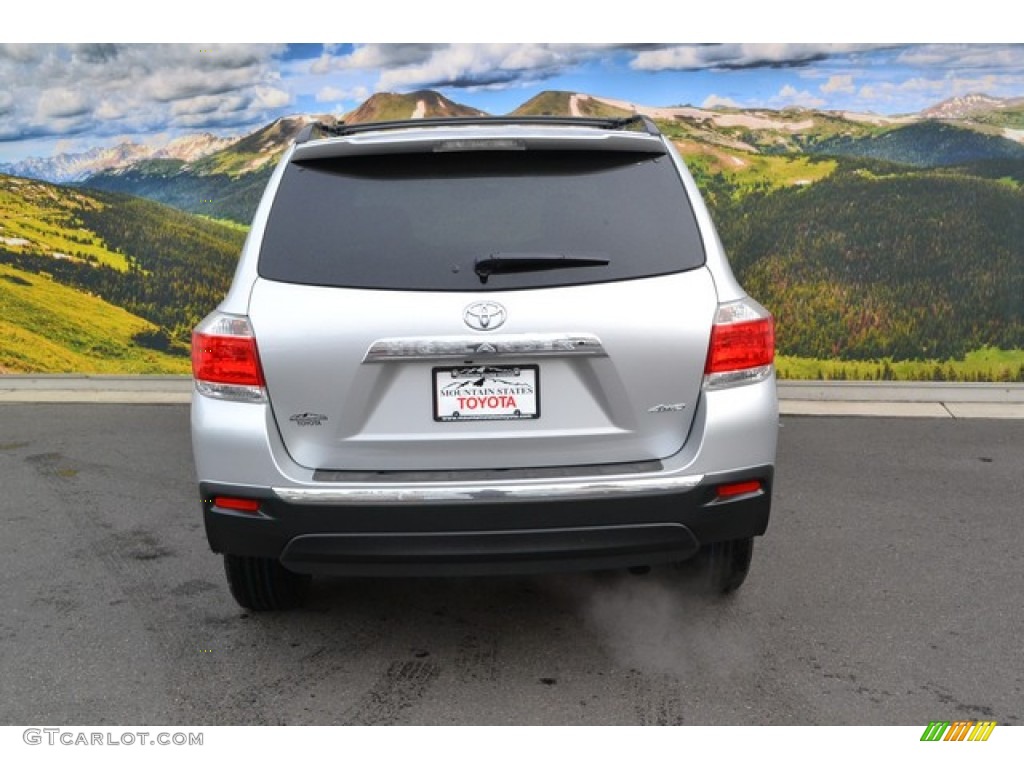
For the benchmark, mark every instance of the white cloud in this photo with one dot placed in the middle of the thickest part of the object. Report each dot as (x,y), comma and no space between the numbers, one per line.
(964,56)
(330,93)
(322,65)
(175,84)
(390,56)
(108,110)
(867,93)
(208,104)
(21,52)
(739,55)
(65,146)
(108,89)
(61,102)
(468,65)
(270,98)
(790,96)
(915,93)
(714,100)
(839,84)
(921,87)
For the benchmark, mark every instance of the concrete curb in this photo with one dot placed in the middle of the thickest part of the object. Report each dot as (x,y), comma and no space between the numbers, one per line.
(902,398)
(796,398)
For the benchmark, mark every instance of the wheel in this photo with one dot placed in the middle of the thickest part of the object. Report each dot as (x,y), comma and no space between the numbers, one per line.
(719,568)
(263,584)
(727,564)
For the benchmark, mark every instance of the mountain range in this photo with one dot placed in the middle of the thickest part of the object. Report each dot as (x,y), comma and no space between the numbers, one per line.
(755,130)
(72,167)
(227,181)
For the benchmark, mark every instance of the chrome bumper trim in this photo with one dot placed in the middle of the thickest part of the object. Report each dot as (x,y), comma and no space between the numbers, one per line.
(443,493)
(468,347)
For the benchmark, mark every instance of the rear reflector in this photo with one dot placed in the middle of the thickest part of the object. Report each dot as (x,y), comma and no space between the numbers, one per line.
(738,489)
(237,504)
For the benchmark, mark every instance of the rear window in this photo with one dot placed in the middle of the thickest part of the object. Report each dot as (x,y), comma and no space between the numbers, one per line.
(423,221)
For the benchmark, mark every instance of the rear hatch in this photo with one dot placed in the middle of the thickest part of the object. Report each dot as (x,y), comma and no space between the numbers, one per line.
(486,309)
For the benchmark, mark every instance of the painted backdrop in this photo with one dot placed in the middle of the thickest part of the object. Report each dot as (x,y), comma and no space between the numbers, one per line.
(871,196)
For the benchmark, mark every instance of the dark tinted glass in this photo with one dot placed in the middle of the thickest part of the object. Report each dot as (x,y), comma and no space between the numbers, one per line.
(421,221)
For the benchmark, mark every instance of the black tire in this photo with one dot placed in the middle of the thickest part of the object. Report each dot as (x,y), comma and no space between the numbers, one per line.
(719,568)
(263,584)
(727,565)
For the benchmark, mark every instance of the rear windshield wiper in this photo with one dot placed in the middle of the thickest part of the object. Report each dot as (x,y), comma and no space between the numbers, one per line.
(532,262)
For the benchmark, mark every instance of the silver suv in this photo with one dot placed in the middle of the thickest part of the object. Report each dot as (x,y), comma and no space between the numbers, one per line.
(485,345)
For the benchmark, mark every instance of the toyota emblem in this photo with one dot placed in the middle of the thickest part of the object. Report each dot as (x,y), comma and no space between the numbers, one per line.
(484,315)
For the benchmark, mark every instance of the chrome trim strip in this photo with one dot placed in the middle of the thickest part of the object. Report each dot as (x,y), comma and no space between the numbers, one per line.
(491,346)
(435,493)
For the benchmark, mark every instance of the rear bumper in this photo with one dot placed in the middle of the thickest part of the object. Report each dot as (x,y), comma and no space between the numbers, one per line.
(452,529)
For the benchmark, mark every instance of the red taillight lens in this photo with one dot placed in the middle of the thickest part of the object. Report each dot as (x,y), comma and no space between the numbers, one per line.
(226,359)
(737,346)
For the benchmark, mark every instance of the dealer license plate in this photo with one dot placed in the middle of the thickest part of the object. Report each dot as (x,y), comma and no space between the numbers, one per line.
(479,393)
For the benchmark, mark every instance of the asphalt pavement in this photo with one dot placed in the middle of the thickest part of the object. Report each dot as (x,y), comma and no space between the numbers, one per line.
(886,592)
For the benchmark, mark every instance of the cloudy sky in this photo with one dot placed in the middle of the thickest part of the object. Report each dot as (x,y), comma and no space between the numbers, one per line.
(69,97)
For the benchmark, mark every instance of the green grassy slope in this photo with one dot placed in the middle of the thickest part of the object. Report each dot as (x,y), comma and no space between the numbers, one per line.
(46,327)
(156,263)
(45,220)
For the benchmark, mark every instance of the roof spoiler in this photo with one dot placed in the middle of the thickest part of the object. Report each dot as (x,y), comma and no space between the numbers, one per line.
(319,130)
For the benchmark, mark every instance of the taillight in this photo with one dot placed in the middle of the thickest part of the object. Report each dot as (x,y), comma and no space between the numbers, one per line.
(742,347)
(225,360)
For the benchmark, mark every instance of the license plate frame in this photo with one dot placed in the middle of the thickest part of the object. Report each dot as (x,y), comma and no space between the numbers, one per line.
(486,393)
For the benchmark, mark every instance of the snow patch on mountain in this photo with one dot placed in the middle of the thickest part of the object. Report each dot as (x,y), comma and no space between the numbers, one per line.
(963,106)
(71,167)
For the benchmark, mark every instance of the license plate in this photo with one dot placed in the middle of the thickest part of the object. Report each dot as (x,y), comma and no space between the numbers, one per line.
(487,393)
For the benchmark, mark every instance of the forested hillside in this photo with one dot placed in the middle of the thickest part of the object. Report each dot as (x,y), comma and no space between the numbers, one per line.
(218,195)
(921,265)
(155,262)
(927,145)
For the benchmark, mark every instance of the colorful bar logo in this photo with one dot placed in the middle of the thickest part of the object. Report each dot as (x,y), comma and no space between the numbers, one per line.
(958,730)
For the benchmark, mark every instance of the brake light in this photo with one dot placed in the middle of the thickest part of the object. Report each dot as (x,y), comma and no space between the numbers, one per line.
(225,359)
(741,345)
(742,348)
